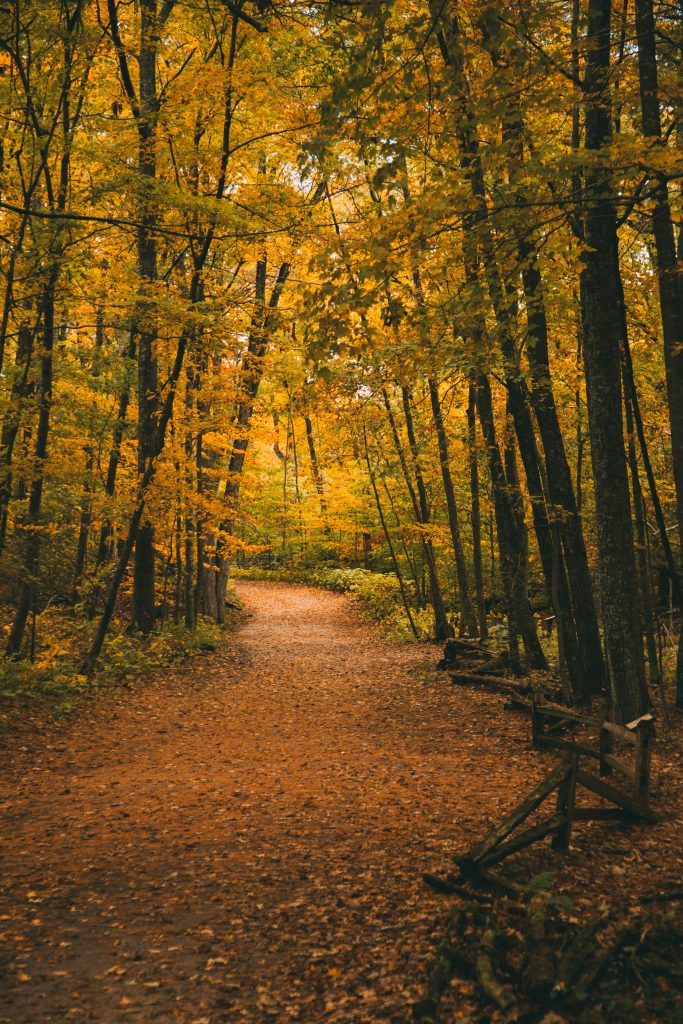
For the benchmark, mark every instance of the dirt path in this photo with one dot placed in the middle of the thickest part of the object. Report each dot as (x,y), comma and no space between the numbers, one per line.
(247,843)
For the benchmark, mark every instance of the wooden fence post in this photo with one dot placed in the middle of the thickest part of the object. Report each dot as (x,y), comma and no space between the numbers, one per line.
(605,747)
(566,798)
(645,733)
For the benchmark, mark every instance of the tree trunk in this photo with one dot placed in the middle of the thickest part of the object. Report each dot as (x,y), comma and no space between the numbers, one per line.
(669,277)
(106,530)
(451,505)
(317,475)
(603,344)
(475,513)
(442,629)
(512,549)
(644,583)
(32,525)
(390,545)
(85,520)
(20,390)
(263,322)
(148,382)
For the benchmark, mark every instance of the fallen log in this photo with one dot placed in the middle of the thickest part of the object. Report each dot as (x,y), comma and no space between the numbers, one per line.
(486,976)
(502,683)
(456,648)
(540,973)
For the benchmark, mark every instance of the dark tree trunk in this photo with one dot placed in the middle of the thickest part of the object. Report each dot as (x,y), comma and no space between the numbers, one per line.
(418,497)
(452,507)
(440,624)
(106,530)
(470,159)
(390,545)
(148,382)
(19,392)
(410,560)
(32,525)
(644,583)
(317,475)
(560,489)
(669,276)
(603,345)
(511,546)
(57,199)
(475,513)
(85,518)
(84,522)
(263,322)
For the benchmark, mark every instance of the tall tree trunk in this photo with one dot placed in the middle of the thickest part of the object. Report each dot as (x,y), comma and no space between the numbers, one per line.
(387,535)
(644,582)
(410,560)
(148,377)
(452,507)
(511,546)
(442,629)
(144,482)
(106,530)
(669,277)
(558,475)
(32,525)
(442,626)
(466,130)
(84,522)
(85,518)
(603,345)
(262,325)
(475,513)
(19,392)
(317,475)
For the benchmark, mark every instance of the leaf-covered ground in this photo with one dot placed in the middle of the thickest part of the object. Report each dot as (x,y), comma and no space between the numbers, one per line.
(248,843)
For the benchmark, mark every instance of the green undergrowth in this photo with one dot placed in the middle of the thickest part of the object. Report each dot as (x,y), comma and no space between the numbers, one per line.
(379,595)
(49,680)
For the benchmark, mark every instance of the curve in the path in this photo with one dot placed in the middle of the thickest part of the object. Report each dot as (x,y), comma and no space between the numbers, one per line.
(243,840)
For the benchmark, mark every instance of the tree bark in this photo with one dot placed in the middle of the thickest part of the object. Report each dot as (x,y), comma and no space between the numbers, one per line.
(452,507)
(317,475)
(512,551)
(603,345)
(387,535)
(442,629)
(669,277)
(148,377)
(19,392)
(262,325)
(475,513)
(32,524)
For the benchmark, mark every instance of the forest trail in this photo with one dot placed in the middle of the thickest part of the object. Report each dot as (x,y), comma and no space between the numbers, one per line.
(244,838)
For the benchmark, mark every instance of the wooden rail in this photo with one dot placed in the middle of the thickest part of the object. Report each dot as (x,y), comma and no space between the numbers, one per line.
(629,794)
(637,736)
(630,801)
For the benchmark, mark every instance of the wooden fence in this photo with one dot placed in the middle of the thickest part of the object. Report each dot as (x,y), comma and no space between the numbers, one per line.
(622,753)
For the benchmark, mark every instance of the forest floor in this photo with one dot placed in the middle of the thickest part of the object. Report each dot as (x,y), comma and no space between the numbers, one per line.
(244,838)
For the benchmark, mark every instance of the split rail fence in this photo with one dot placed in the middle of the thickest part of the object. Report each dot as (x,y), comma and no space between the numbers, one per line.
(619,774)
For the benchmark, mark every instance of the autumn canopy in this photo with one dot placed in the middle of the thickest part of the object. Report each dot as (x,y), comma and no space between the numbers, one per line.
(388,289)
